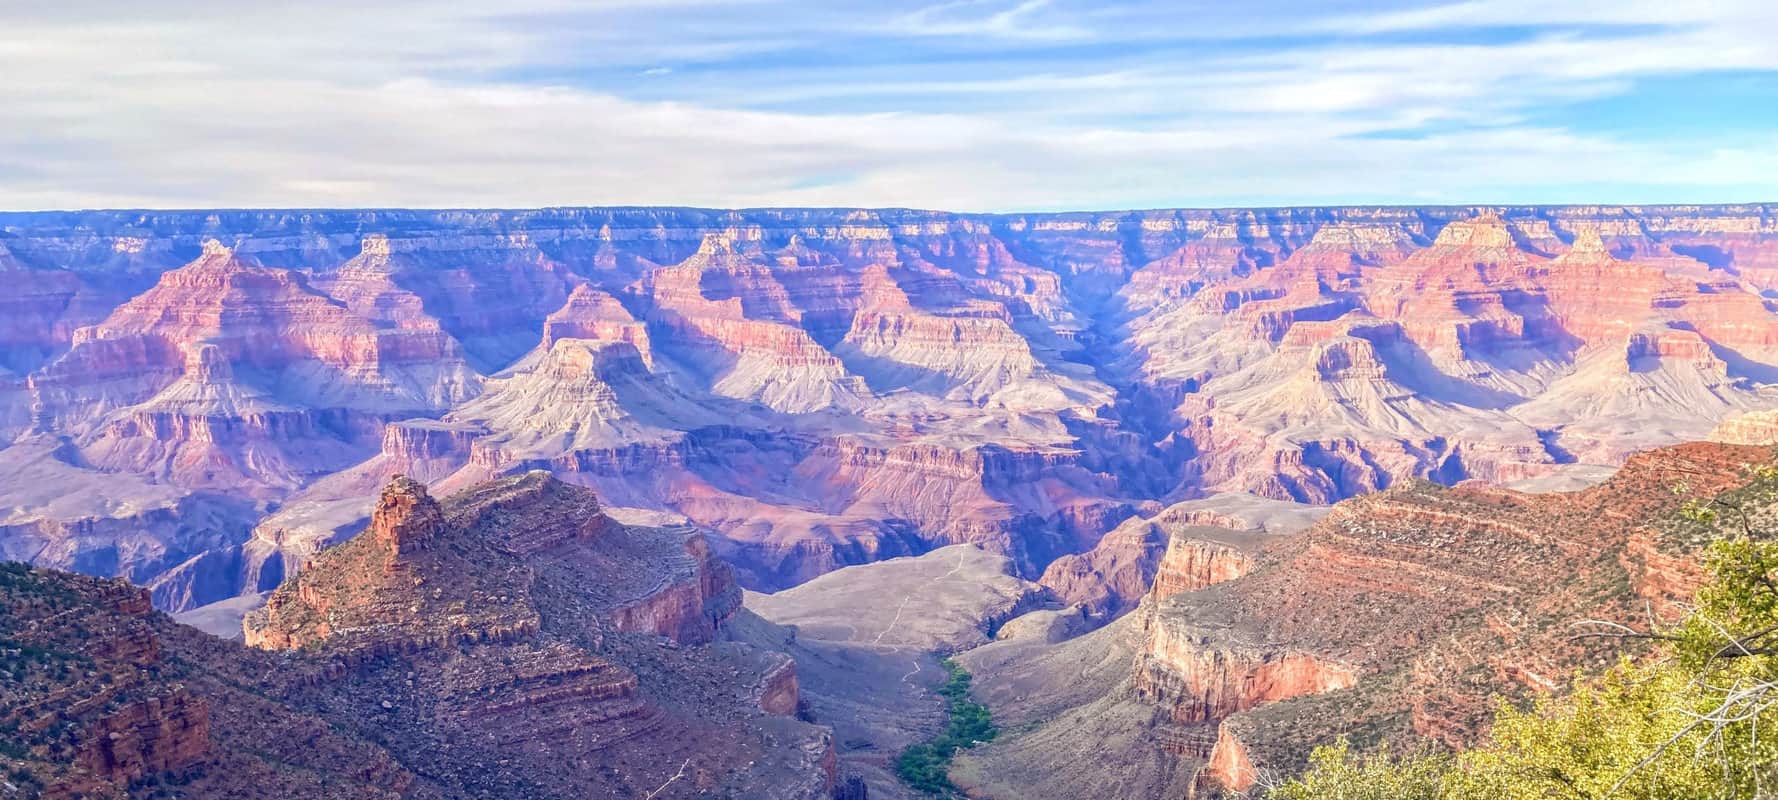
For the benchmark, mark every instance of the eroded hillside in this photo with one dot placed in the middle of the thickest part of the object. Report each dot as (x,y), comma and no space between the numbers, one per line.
(199,401)
(1396,618)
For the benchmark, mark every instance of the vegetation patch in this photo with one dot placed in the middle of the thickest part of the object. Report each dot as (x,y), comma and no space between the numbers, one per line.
(1694,724)
(924,766)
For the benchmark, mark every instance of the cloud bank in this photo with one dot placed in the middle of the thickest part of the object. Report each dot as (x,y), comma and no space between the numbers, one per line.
(967,105)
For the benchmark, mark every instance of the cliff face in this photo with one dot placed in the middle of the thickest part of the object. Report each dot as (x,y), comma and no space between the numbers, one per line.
(1193,564)
(829,387)
(104,694)
(1199,679)
(512,638)
(229,374)
(1402,614)
(153,735)
(1407,609)
(1188,546)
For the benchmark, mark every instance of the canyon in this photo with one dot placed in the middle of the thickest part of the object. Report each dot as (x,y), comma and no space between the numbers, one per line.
(200,401)
(510,640)
(1397,618)
(517,634)
(677,501)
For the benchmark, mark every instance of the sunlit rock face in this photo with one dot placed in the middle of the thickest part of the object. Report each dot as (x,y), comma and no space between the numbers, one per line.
(1413,589)
(829,387)
(511,636)
(1407,613)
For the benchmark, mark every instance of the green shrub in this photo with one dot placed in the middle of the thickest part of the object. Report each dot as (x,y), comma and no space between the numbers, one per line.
(925,766)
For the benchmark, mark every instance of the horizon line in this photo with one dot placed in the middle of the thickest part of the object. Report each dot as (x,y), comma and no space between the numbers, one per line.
(879,209)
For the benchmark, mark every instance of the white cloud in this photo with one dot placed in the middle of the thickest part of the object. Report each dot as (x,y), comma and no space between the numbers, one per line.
(395,106)
(994,18)
(1498,13)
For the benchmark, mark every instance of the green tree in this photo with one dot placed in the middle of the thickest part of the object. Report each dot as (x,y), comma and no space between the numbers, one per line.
(926,766)
(1696,724)
(1336,773)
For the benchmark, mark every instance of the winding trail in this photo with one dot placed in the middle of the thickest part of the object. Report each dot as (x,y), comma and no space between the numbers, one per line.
(893,622)
(912,672)
(961,555)
(663,787)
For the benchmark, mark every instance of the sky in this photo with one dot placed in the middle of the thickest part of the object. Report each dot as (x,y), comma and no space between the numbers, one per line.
(966,105)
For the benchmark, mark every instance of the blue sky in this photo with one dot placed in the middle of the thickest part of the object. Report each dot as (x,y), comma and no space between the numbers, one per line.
(991,105)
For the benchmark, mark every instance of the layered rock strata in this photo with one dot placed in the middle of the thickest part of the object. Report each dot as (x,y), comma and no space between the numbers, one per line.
(829,387)
(1401,613)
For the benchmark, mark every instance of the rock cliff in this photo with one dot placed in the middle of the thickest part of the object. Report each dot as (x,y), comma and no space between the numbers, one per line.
(510,639)
(1188,546)
(830,387)
(1401,614)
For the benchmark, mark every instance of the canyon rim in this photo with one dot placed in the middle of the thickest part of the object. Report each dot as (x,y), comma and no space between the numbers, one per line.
(783,400)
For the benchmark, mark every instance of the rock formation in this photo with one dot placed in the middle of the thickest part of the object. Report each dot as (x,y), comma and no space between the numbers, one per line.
(1188,546)
(106,698)
(1756,427)
(1401,613)
(512,638)
(831,387)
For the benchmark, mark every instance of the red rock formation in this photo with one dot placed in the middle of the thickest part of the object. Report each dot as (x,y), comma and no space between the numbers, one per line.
(1219,254)
(1186,547)
(779,692)
(361,594)
(742,369)
(1405,614)
(491,293)
(595,315)
(1757,428)
(1193,564)
(735,312)
(570,709)
(406,519)
(162,383)
(1112,577)
(537,620)
(1197,678)
(1228,766)
(152,699)
(147,737)
(1416,586)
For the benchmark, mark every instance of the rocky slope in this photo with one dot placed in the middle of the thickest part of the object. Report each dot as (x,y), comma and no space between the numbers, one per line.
(1397,616)
(867,641)
(513,639)
(1187,546)
(833,387)
(103,697)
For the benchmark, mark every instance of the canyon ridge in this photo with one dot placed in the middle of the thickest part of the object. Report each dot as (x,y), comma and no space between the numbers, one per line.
(668,502)
(200,401)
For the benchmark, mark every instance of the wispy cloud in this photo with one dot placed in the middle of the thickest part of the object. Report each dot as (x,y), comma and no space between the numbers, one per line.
(980,104)
(1029,19)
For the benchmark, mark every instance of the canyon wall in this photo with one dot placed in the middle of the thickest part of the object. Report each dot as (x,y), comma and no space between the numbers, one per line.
(831,387)
(511,639)
(1405,614)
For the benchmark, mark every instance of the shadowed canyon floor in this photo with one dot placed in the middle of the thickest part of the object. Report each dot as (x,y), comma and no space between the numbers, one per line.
(867,638)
